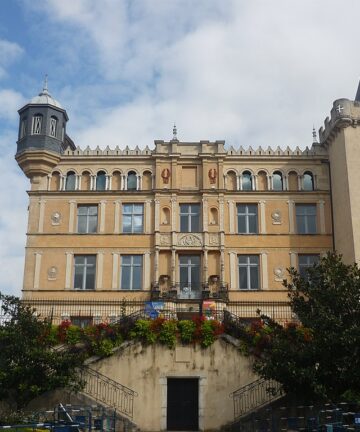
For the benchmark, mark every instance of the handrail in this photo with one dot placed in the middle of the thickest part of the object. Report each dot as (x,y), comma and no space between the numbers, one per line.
(255,395)
(109,392)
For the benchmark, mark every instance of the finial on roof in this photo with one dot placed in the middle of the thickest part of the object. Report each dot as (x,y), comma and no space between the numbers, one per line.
(174,132)
(45,90)
(314,135)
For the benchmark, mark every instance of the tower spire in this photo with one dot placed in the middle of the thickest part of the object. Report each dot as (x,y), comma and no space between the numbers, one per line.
(45,90)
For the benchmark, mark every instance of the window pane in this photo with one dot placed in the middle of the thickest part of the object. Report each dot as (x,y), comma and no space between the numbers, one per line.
(242,259)
(184,227)
(79,259)
(138,222)
(246,181)
(137,277)
(137,260)
(254,277)
(300,222)
(127,224)
(277,182)
(125,277)
(131,181)
(127,208)
(100,181)
(126,259)
(70,182)
(311,228)
(78,280)
(184,280)
(243,278)
(254,259)
(92,210)
(92,227)
(82,210)
(81,224)
(90,278)
(138,208)
(242,224)
(252,224)
(195,226)
(308,182)
(241,208)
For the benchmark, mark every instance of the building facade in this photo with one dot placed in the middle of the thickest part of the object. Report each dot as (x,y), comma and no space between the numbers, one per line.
(182,221)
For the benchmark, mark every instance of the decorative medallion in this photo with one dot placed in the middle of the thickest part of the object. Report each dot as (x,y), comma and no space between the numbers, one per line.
(190,240)
(214,239)
(279,273)
(212,175)
(165,174)
(165,240)
(276,217)
(52,273)
(56,218)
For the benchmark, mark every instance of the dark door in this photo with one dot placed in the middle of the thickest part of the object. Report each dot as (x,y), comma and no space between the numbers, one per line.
(182,404)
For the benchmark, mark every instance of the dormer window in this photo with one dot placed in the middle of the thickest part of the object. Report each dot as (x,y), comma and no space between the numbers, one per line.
(23,128)
(53,125)
(36,124)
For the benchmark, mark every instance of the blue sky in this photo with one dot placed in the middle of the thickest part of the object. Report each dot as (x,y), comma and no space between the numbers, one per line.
(253,73)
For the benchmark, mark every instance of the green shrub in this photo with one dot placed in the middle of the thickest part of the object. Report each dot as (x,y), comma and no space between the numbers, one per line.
(187,329)
(168,333)
(103,348)
(207,334)
(73,335)
(142,330)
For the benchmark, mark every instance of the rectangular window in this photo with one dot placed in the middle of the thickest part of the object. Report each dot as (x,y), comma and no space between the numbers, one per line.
(306,218)
(247,215)
(84,274)
(133,218)
(81,321)
(131,272)
(306,262)
(87,219)
(249,272)
(189,217)
(36,125)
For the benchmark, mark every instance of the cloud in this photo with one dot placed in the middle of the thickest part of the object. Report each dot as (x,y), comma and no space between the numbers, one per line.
(9,52)
(11,101)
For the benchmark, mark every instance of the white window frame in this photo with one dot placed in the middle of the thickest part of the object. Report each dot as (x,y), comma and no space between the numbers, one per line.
(306,216)
(133,214)
(189,214)
(247,216)
(87,217)
(132,266)
(248,265)
(84,266)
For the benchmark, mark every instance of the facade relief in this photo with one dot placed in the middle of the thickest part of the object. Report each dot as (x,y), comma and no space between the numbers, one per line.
(56,218)
(190,240)
(276,217)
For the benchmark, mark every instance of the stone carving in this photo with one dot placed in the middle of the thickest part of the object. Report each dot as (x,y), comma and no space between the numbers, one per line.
(190,240)
(212,175)
(165,240)
(56,218)
(276,217)
(165,174)
(52,273)
(279,273)
(214,239)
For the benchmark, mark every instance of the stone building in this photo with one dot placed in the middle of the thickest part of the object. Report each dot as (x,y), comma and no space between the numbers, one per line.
(182,220)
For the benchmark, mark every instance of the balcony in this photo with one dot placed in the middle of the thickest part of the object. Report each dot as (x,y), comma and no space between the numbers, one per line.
(177,291)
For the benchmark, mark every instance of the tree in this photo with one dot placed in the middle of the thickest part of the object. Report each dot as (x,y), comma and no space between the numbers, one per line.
(319,358)
(29,364)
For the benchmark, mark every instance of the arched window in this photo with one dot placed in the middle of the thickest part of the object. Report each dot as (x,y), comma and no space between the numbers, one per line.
(246,181)
(277,181)
(70,181)
(53,126)
(100,181)
(308,181)
(131,180)
(231,180)
(36,124)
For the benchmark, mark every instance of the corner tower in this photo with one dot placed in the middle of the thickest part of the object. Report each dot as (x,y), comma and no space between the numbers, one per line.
(42,135)
(341,136)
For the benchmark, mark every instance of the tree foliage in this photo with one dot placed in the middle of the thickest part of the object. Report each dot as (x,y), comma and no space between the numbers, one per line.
(29,364)
(319,358)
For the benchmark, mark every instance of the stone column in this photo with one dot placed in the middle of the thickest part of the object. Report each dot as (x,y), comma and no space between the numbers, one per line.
(68,268)
(110,182)
(37,269)
(63,182)
(156,266)
(173,214)
(231,217)
(222,264)
(264,271)
(147,217)
(72,211)
(299,179)
(321,206)
(205,214)
(269,182)
(41,215)
(221,214)
(173,266)
(99,270)
(147,281)
(291,205)
(239,185)
(102,215)
(206,268)
(157,215)
(293,259)
(225,181)
(256,182)
(117,204)
(286,182)
(79,181)
(233,272)
(115,271)
(49,182)
(122,182)
(262,217)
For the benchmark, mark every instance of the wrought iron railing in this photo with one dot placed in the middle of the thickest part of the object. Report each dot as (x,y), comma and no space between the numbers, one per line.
(109,392)
(254,395)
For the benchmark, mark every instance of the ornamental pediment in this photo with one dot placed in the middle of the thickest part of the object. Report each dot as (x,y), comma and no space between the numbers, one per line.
(190,240)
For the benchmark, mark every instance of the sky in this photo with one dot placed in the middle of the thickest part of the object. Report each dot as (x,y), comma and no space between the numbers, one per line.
(252,72)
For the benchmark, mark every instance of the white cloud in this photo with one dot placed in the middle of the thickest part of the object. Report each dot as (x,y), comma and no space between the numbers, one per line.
(11,101)
(9,52)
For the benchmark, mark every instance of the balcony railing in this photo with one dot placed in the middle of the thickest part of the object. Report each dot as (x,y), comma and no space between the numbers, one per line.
(174,291)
